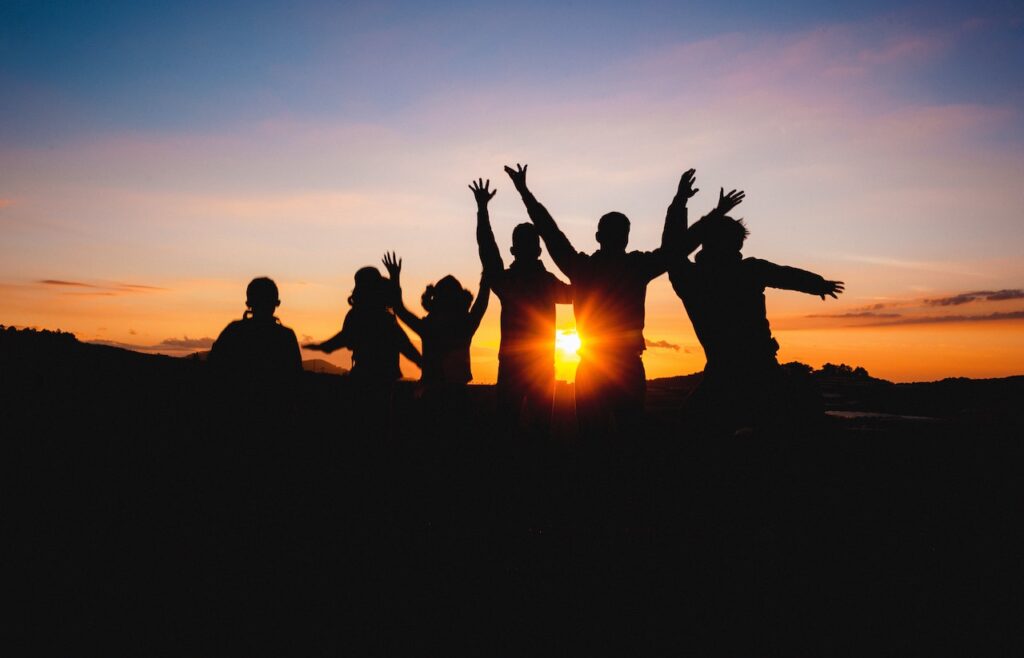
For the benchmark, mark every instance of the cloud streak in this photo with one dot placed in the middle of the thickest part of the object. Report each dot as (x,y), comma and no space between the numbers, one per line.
(100,291)
(980,295)
(949,319)
(662,344)
(858,314)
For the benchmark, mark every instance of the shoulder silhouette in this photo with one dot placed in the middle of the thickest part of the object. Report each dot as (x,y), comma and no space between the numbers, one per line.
(258,346)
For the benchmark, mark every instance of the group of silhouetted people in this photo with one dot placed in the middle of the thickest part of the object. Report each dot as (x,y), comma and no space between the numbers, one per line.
(722,291)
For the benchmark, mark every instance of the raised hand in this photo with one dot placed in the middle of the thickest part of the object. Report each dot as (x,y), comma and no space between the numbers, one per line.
(727,202)
(518,175)
(393,264)
(833,288)
(481,192)
(686,188)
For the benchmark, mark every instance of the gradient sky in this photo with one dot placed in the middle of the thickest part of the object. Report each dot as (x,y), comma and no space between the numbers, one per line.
(154,157)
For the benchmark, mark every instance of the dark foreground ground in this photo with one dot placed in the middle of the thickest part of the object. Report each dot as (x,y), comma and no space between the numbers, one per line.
(149,513)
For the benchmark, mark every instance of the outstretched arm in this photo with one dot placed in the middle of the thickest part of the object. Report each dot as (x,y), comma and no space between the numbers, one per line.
(483,297)
(792,278)
(561,250)
(393,264)
(336,341)
(490,256)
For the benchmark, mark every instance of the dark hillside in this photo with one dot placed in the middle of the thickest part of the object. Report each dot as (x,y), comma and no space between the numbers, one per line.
(152,510)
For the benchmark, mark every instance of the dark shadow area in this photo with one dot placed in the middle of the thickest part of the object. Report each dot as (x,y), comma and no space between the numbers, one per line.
(145,518)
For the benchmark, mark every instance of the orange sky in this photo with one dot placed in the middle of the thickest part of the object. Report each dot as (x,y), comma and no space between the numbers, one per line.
(145,180)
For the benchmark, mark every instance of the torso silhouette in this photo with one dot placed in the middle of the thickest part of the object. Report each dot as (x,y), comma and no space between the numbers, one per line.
(376,340)
(724,298)
(446,340)
(261,350)
(610,291)
(528,294)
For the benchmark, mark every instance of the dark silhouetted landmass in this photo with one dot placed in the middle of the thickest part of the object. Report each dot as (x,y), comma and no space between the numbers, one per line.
(149,514)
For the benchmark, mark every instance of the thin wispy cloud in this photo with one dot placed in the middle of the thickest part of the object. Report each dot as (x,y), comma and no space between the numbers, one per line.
(72,284)
(856,314)
(662,344)
(99,290)
(949,319)
(981,295)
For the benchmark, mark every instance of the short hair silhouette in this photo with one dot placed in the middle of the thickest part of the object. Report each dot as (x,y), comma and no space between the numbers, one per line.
(526,241)
(258,349)
(261,295)
(613,231)
(725,234)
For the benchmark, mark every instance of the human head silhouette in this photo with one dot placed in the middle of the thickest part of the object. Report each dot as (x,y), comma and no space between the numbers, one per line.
(447,296)
(724,235)
(525,242)
(261,298)
(371,289)
(613,232)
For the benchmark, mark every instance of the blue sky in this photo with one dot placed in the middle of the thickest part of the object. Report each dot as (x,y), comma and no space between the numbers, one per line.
(72,68)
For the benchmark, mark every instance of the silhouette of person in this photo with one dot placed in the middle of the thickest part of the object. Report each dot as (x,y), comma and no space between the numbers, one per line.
(447,329)
(258,349)
(371,331)
(609,294)
(723,293)
(528,294)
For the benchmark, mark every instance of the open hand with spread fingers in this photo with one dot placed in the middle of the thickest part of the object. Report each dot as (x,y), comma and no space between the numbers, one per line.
(686,189)
(482,192)
(727,202)
(393,264)
(833,289)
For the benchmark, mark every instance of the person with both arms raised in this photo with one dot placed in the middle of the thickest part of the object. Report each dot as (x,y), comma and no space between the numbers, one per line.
(610,289)
(528,294)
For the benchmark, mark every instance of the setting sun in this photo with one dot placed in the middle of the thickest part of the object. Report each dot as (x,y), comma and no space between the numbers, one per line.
(567,341)
(567,345)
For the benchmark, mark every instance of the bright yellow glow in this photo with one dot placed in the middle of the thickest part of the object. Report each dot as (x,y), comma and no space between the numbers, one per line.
(567,342)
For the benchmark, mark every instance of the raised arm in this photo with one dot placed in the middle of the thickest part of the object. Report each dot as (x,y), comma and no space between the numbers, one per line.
(792,278)
(561,250)
(490,256)
(677,216)
(674,231)
(407,349)
(393,264)
(483,297)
